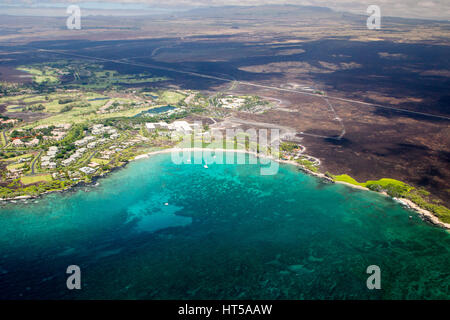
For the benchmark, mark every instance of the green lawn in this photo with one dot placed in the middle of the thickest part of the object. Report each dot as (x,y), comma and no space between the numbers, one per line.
(39,76)
(36,178)
(79,115)
(53,106)
(348,179)
(384,183)
(100,161)
(34,99)
(171,97)
(14,108)
(15,166)
(2,139)
(15,98)
(103,79)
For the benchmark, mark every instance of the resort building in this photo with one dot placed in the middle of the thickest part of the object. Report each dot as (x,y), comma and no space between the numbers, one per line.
(18,143)
(58,135)
(97,126)
(161,125)
(100,129)
(49,165)
(92,145)
(150,127)
(182,127)
(84,141)
(67,161)
(106,154)
(51,154)
(9,121)
(231,102)
(42,126)
(87,170)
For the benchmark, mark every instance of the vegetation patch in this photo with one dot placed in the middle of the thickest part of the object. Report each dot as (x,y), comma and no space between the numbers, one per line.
(16,166)
(308,165)
(288,147)
(171,97)
(393,187)
(346,178)
(100,161)
(41,76)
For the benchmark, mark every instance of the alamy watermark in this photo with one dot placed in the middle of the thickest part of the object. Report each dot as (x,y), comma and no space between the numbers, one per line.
(374,280)
(374,20)
(73,22)
(74,280)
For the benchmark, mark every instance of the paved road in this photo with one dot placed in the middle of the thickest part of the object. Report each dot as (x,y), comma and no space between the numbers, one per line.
(34,162)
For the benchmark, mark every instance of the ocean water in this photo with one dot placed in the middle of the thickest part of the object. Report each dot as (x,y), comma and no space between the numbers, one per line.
(157,230)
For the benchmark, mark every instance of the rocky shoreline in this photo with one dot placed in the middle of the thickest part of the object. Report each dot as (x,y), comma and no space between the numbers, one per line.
(424,214)
(407,203)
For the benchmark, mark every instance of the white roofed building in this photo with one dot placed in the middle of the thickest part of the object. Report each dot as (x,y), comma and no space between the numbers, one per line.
(17,143)
(87,170)
(150,126)
(161,125)
(182,127)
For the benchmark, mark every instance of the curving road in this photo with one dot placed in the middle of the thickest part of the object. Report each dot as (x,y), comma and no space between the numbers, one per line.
(34,161)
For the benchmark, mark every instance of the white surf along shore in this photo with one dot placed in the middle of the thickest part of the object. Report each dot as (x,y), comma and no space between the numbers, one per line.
(423,213)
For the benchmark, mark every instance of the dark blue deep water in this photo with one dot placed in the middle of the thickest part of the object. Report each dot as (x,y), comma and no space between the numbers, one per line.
(227,232)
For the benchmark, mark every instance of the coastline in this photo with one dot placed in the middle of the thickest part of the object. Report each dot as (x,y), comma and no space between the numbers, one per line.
(423,213)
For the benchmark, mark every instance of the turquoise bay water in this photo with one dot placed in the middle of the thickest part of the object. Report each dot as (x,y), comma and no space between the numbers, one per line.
(158,230)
